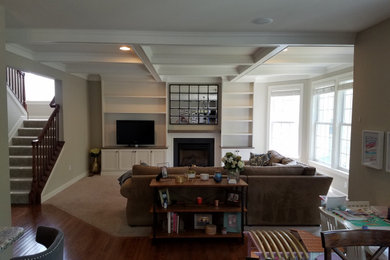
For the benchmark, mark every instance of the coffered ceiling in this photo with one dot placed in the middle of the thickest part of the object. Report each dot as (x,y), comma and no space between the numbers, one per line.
(184,40)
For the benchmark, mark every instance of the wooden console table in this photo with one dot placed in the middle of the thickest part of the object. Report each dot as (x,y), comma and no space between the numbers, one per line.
(191,208)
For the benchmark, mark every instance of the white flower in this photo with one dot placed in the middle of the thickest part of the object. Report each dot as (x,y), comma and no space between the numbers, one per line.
(240,164)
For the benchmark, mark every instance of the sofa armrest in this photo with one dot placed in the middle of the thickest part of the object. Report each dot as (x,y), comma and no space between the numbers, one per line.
(126,188)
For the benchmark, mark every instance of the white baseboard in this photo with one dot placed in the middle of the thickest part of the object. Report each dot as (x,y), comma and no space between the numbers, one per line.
(62,187)
(13,132)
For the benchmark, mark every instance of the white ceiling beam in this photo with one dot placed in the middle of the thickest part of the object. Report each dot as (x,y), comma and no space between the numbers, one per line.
(36,36)
(312,59)
(196,71)
(177,59)
(146,61)
(105,68)
(286,70)
(84,57)
(262,55)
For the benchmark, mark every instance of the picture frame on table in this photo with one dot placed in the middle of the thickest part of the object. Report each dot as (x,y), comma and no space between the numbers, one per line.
(387,151)
(233,198)
(232,222)
(372,149)
(164,197)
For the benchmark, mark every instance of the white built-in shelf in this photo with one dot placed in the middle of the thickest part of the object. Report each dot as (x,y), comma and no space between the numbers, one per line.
(237,107)
(124,96)
(239,93)
(237,147)
(237,133)
(238,120)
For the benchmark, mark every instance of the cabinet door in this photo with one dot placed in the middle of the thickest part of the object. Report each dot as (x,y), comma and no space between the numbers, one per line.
(110,160)
(143,156)
(126,159)
(158,156)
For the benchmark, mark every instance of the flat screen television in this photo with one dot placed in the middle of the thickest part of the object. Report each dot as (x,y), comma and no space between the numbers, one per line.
(135,132)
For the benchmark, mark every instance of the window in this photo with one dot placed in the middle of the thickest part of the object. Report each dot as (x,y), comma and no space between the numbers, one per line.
(332,117)
(284,120)
(193,104)
(39,88)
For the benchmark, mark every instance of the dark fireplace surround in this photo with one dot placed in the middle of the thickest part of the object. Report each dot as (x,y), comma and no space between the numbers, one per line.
(193,151)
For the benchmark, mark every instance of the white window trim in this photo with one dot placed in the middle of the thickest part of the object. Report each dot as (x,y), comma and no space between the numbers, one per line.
(291,87)
(336,80)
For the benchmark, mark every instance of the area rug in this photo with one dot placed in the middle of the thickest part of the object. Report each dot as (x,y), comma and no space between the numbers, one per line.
(97,201)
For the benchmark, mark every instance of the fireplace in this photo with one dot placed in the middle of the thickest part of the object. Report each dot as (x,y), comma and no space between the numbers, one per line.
(193,151)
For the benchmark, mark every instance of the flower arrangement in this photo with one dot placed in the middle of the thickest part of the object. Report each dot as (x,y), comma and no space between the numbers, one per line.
(233,162)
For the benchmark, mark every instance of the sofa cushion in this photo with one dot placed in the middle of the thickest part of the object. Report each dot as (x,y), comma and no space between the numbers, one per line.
(209,170)
(145,170)
(259,159)
(275,157)
(273,170)
(154,170)
(177,170)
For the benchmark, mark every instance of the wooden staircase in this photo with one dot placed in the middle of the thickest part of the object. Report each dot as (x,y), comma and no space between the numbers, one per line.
(20,160)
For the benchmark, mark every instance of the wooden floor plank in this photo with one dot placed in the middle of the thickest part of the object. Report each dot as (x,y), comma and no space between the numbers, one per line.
(84,241)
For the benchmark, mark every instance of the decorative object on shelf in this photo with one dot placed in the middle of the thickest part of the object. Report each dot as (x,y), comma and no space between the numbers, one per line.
(164,172)
(199,200)
(234,165)
(211,229)
(232,222)
(233,198)
(164,198)
(180,179)
(372,150)
(190,174)
(217,177)
(202,220)
(94,153)
(204,176)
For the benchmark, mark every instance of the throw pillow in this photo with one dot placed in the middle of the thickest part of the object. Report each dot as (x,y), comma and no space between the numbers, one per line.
(259,159)
(125,176)
(275,157)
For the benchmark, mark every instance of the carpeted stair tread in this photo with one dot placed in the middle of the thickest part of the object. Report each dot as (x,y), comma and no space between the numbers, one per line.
(20,150)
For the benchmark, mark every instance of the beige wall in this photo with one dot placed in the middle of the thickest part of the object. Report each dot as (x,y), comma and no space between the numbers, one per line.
(95,113)
(73,99)
(371,111)
(5,204)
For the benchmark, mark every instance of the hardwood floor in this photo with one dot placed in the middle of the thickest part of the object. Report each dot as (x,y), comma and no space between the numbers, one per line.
(84,241)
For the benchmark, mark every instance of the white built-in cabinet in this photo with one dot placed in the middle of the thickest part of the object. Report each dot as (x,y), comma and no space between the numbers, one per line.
(121,160)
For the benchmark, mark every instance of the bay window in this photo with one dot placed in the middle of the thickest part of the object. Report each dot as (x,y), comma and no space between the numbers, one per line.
(332,117)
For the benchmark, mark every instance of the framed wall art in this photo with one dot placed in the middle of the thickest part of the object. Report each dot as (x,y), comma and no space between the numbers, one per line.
(372,149)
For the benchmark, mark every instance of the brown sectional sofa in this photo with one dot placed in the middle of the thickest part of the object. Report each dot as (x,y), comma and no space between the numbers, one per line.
(276,195)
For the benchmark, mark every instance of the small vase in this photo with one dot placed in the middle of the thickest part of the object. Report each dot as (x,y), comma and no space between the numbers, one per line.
(233,176)
(95,166)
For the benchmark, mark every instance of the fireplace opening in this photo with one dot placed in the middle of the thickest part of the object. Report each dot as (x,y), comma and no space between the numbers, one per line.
(193,151)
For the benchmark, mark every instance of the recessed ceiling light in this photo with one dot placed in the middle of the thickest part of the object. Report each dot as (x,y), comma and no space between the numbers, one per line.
(124,48)
(263,20)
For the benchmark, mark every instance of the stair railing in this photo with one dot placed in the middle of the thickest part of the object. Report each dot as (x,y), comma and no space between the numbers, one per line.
(44,154)
(15,82)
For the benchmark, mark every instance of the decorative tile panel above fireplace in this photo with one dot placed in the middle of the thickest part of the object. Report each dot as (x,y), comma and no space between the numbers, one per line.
(193,151)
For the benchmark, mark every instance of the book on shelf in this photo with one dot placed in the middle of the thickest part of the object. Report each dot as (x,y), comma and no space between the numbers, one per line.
(173,222)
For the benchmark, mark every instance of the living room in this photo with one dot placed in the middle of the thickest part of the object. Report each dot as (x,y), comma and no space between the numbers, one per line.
(82,126)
